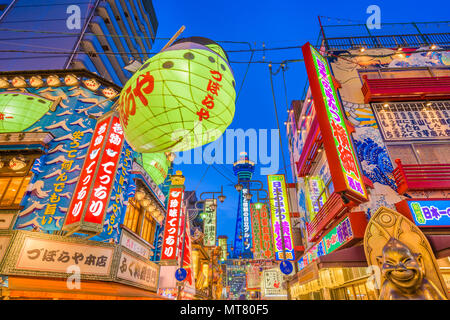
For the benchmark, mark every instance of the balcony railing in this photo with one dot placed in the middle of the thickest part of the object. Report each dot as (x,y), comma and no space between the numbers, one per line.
(398,89)
(421,176)
(333,208)
(387,41)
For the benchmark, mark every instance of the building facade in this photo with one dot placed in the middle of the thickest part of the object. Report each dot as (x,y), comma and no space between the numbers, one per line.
(74,194)
(393,138)
(102,37)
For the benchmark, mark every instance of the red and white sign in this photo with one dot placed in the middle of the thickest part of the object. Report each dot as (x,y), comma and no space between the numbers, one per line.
(170,240)
(92,193)
(106,173)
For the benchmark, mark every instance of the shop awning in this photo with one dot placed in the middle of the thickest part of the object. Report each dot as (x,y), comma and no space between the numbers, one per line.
(350,257)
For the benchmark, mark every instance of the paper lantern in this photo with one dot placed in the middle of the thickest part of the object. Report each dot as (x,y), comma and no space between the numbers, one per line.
(180,99)
(18,111)
(156,165)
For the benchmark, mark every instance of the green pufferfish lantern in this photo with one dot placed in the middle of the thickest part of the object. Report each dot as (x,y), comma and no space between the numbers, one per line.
(156,165)
(19,111)
(180,99)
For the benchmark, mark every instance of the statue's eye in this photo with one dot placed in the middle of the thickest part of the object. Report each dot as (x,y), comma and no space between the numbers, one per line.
(211,59)
(407,260)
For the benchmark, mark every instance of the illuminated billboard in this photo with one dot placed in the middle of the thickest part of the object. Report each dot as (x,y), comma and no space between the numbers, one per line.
(261,231)
(339,149)
(280,213)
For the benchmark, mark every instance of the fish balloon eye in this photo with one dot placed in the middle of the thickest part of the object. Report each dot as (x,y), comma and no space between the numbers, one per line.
(167,64)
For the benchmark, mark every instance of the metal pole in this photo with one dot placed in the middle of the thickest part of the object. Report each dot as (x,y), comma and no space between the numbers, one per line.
(182,249)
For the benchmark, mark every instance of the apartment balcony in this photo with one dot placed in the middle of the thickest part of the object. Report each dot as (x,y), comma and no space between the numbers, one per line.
(400,89)
(421,176)
(333,208)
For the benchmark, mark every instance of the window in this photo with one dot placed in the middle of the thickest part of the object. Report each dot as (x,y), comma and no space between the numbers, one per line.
(12,190)
(132,215)
(148,227)
(319,186)
(420,153)
(140,221)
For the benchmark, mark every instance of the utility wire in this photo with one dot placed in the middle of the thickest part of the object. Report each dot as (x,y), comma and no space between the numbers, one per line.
(278,122)
(222,174)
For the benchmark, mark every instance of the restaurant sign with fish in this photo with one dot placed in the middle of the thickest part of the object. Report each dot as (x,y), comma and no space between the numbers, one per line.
(67,105)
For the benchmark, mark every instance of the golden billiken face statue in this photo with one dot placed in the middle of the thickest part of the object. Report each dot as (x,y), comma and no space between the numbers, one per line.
(405,275)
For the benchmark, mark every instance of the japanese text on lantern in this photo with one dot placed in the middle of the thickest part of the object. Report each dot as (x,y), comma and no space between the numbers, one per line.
(143,85)
(171,227)
(338,128)
(61,179)
(280,211)
(212,89)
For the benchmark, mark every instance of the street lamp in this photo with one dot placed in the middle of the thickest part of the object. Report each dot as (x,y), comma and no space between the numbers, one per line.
(238,187)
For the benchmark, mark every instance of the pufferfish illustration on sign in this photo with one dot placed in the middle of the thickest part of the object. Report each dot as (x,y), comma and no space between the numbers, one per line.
(180,99)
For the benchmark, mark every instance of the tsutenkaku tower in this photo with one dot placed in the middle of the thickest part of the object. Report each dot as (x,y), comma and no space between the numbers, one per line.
(243,169)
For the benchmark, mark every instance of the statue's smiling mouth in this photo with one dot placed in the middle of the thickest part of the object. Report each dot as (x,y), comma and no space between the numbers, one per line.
(403,275)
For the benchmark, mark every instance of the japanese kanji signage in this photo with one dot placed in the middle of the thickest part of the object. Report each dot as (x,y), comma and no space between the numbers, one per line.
(129,241)
(273,283)
(137,271)
(280,211)
(413,120)
(426,212)
(47,255)
(210,223)
(261,231)
(246,237)
(92,194)
(351,228)
(339,149)
(170,240)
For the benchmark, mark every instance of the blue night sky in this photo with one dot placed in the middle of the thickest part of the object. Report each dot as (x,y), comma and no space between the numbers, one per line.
(276,23)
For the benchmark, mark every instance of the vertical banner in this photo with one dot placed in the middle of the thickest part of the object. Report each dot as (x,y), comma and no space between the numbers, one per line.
(338,144)
(92,193)
(210,223)
(170,240)
(262,236)
(280,211)
(187,261)
(247,238)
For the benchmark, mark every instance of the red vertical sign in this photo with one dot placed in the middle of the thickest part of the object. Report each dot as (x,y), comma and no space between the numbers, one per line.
(105,175)
(91,196)
(170,240)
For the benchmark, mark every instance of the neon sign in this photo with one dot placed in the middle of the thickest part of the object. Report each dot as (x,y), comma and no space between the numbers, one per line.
(210,223)
(336,238)
(262,238)
(430,213)
(170,240)
(338,144)
(280,208)
(92,194)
